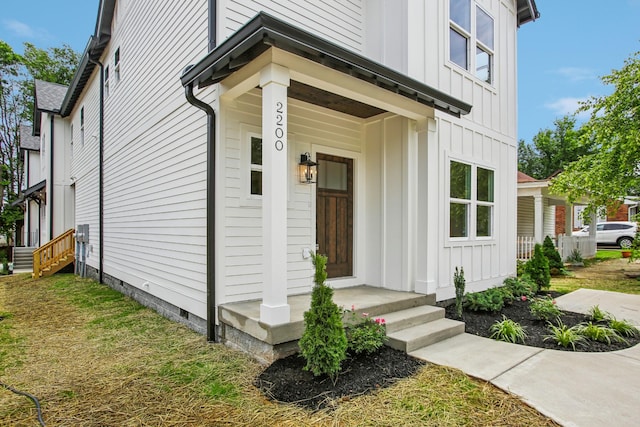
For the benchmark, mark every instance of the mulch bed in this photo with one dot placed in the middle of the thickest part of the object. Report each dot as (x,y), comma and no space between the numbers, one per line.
(478,323)
(286,381)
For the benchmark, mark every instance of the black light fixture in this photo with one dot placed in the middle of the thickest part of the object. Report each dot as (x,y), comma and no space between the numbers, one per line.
(308,169)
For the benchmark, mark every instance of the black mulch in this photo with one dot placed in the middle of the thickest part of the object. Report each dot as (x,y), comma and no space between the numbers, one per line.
(286,381)
(478,323)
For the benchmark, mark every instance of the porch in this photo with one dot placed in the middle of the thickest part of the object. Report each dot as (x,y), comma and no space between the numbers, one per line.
(413,321)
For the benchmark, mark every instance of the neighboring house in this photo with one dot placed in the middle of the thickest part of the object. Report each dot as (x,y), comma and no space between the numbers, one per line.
(48,198)
(626,211)
(538,215)
(188,188)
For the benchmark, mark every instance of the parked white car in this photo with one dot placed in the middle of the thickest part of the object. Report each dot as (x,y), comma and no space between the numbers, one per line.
(619,233)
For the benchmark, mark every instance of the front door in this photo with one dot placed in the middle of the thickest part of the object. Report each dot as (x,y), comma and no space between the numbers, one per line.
(334,213)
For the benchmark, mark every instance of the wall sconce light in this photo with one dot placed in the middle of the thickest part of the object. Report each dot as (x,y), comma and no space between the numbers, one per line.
(308,169)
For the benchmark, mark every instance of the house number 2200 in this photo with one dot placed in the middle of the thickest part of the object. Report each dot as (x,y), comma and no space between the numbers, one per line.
(279,131)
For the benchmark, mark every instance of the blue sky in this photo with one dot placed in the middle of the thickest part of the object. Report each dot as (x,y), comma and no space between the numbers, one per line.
(560,57)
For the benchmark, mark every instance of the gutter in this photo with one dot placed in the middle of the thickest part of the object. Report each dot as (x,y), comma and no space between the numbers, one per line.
(212,335)
(100,172)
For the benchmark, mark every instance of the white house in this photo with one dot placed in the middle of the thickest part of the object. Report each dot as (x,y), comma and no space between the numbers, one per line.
(189,120)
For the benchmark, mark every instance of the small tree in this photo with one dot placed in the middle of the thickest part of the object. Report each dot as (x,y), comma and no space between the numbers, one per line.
(459,282)
(324,341)
(552,254)
(538,268)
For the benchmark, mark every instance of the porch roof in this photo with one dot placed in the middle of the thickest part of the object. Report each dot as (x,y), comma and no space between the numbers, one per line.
(264,32)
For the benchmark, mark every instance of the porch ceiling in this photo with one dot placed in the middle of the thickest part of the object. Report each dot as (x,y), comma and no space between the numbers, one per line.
(264,32)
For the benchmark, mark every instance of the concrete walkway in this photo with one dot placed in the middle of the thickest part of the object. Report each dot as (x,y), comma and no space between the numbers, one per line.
(574,389)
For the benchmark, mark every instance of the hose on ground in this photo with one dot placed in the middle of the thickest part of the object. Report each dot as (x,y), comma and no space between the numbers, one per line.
(30,396)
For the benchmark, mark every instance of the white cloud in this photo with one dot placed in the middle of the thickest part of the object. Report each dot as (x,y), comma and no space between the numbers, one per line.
(576,74)
(567,106)
(20,29)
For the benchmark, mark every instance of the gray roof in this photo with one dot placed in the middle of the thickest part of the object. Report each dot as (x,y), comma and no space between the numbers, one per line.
(27,140)
(49,96)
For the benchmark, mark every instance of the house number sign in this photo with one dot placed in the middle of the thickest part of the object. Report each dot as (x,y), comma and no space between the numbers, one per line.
(279,130)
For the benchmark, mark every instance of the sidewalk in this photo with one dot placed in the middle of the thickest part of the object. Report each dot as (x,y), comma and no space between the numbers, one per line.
(574,389)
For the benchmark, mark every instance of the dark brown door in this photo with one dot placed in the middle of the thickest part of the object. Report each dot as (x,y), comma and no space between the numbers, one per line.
(334,213)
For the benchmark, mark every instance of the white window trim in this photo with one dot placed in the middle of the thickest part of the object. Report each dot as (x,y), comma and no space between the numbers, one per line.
(472,44)
(246,133)
(473,203)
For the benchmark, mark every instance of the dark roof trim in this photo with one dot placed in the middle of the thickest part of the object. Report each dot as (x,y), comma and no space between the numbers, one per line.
(264,31)
(95,47)
(527,11)
(34,188)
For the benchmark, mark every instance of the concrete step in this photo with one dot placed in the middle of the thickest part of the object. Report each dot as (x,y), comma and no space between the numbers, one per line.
(409,317)
(418,336)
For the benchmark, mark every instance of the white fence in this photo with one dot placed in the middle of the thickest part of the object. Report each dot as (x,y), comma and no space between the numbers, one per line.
(586,245)
(525,245)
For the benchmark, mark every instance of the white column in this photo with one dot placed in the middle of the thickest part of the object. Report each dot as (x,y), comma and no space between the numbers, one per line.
(274,81)
(538,222)
(428,208)
(568,219)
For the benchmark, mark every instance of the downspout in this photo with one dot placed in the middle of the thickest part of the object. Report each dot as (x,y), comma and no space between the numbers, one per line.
(51,184)
(27,201)
(212,335)
(100,172)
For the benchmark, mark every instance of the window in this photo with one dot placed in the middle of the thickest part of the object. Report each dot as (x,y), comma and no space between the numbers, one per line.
(256,166)
(116,64)
(106,81)
(466,30)
(471,195)
(71,141)
(82,126)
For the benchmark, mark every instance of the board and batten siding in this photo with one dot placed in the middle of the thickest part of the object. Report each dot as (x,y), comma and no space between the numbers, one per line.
(339,21)
(154,154)
(310,128)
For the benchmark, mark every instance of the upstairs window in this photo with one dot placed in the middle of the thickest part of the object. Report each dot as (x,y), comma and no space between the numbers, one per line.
(106,81)
(471,28)
(71,140)
(82,126)
(116,64)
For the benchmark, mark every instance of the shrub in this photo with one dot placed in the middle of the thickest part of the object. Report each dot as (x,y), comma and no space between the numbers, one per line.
(520,267)
(623,327)
(521,286)
(601,333)
(365,335)
(544,309)
(598,315)
(507,330)
(490,300)
(324,341)
(552,254)
(575,257)
(565,336)
(459,282)
(538,268)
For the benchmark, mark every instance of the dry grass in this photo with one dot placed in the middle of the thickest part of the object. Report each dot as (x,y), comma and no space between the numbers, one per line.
(96,358)
(606,275)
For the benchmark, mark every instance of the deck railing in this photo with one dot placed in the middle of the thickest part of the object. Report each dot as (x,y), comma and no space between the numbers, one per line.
(525,246)
(54,255)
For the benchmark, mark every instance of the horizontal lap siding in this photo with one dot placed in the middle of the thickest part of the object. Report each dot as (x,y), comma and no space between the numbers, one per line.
(155,154)
(309,128)
(339,21)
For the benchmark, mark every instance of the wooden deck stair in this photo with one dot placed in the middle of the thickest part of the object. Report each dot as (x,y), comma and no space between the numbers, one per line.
(55,255)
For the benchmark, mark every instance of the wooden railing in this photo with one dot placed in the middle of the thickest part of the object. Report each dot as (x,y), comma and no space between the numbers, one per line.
(54,255)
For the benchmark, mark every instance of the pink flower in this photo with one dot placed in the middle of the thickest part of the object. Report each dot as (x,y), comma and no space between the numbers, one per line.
(379,320)
(353,307)
(365,314)
(523,298)
(554,302)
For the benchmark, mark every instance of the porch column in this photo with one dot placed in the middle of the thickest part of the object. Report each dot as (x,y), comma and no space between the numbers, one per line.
(568,219)
(538,222)
(274,81)
(427,227)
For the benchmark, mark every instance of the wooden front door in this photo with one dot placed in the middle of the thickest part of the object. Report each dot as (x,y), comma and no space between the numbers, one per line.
(334,213)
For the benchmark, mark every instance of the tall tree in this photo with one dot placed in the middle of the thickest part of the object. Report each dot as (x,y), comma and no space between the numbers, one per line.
(612,170)
(552,149)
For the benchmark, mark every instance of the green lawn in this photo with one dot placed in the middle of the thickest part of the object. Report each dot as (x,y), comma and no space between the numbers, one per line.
(96,358)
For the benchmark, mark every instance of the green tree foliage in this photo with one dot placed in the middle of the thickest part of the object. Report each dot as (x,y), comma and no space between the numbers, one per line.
(552,149)
(552,254)
(611,171)
(324,341)
(459,283)
(538,268)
